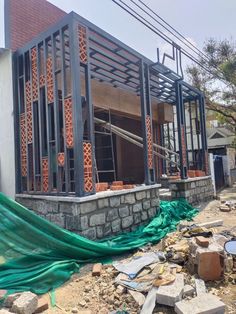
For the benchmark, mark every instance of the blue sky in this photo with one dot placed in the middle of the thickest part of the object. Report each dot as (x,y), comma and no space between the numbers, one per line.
(195,19)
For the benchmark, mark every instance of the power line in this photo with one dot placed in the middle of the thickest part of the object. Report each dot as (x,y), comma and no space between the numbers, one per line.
(153,28)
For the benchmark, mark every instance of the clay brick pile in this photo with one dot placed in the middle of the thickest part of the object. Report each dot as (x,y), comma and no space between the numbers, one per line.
(114,186)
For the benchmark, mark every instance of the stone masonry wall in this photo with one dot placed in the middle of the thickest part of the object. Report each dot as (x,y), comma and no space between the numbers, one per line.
(194,190)
(99,216)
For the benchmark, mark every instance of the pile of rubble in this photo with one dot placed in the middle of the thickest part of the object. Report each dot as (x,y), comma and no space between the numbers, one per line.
(165,278)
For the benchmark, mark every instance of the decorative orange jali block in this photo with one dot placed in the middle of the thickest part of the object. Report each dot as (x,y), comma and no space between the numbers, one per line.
(83,44)
(23,145)
(50,95)
(61,159)
(88,167)
(29,112)
(45,174)
(68,122)
(149,142)
(34,73)
(184,155)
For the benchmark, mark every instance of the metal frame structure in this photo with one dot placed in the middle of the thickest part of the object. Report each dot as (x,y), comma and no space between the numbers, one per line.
(55,144)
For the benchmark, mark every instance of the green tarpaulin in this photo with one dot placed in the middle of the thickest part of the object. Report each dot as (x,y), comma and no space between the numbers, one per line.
(37,255)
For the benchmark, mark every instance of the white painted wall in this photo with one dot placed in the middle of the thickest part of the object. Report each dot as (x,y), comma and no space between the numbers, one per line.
(7,150)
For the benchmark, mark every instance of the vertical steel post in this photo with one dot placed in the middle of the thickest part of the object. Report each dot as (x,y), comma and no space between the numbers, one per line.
(181,130)
(146,117)
(77,109)
(203,133)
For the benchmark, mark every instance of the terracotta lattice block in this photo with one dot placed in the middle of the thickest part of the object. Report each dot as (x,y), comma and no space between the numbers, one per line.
(88,167)
(29,112)
(68,122)
(34,73)
(41,80)
(149,142)
(83,44)
(61,159)
(45,174)
(23,145)
(184,155)
(50,95)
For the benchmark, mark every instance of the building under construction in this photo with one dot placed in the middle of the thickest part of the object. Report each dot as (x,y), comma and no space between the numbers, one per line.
(90,113)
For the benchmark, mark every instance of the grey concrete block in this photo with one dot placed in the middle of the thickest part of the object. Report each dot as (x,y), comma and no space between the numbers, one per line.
(124,211)
(130,198)
(188,290)
(127,222)
(144,216)
(152,212)
(137,218)
(172,293)
(69,208)
(137,207)
(107,229)
(112,214)
(103,202)
(88,207)
(200,286)
(26,304)
(155,202)
(57,219)
(89,233)
(115,201)
(99,232)
(146,204)
(116,225)
(203,304)
(83,223)
(97,219)
(140,195)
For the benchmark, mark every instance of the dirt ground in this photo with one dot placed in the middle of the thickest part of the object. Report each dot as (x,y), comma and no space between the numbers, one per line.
(85,294)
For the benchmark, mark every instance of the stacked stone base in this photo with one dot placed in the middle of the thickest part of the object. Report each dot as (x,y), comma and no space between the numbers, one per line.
(98,216)
(194,190)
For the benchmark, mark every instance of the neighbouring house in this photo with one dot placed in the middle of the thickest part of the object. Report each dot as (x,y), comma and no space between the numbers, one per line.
(85,113)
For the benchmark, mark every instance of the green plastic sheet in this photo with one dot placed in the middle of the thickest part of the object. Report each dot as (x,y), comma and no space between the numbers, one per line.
(38,256)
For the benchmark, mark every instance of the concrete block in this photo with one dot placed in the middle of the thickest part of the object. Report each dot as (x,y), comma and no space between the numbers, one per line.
(137,207)
(116,225)
(127,222)
(83,223)
(144,216)
(146,204)
(58,219)
(155,202)
(188,291)
(200,286)
(115,201)
(211,224)
(5,311)
(88,207)
(26,304)
(124,211)
(97,219)
(89,233)
(172,293)
(137,218)
(112,214)
(140,195)
(103,202)
(130,199)
(203,304)
(152,212)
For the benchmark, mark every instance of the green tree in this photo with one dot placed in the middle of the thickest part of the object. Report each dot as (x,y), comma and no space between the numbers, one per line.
(219,83)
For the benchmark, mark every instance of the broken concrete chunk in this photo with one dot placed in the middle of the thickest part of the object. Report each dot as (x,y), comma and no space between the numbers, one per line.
(211,224)
(150,302)
(203,304)
(10,299)
(172,293)
(26,304)
(202,241)
(200,286)
(5,311)
(188,291)
(138,297)
(97,268)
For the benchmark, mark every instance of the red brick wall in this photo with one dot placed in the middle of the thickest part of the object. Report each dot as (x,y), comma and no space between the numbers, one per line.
(28,18)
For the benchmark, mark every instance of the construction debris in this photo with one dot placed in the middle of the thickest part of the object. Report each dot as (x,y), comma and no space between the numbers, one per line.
(97,268)
(26,303)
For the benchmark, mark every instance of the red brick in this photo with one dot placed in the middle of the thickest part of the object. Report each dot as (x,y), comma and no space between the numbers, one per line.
(97,268)
(202,241)
(42,305)
(128,186)
(210,266)
(115,183)
(28,18)
(116,187)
